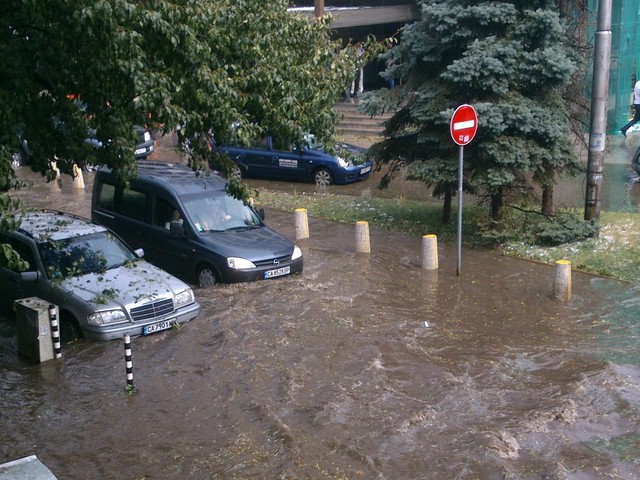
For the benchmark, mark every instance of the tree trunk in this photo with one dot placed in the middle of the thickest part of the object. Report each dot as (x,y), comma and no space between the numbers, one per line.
(446,208)
(496,205)
(547,200)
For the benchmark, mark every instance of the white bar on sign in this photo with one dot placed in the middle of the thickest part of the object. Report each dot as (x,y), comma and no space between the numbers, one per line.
(461,125)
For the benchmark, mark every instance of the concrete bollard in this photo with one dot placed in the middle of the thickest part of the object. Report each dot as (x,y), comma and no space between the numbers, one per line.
(34,329)
(77,178)
(128,360)
(302,223)
(362,237)
(56,184)
(430,252)
(54,167)
(562,280)
(55,331)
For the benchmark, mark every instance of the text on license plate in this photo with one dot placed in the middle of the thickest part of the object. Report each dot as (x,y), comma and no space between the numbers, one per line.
(365,170)
(156,327)
(277,272)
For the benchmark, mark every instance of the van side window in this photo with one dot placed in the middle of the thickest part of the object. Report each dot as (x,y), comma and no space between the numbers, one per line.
(133,204)
(163,213)
(107,196)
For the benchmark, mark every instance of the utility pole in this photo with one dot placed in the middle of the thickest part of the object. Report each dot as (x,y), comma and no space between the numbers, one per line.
(598,122)
(319,8)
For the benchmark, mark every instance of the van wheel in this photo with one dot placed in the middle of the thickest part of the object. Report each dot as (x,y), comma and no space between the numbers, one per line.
(206,277)
(69,329)
(323,177)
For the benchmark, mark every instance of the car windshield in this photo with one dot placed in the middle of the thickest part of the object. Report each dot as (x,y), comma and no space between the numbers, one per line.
(219,212)
(84,254)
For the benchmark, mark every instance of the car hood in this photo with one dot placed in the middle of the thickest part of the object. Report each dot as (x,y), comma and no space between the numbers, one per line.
(255,243)
(129,285)
(352,153)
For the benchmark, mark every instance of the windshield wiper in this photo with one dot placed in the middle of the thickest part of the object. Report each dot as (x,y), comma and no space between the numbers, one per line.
(243,227)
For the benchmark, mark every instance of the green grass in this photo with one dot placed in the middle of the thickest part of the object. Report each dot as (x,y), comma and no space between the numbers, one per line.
(615,252)
(402,215)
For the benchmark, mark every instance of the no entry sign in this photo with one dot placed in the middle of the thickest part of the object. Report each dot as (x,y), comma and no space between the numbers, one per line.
(464,124)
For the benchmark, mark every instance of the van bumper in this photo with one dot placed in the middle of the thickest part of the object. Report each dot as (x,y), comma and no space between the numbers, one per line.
(261,273)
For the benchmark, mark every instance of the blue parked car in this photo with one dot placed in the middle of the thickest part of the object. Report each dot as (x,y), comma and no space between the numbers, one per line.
(311,163)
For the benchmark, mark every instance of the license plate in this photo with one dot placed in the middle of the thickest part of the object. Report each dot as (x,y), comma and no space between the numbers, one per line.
(277,272)
(140,151)
(365,170)
(156,327)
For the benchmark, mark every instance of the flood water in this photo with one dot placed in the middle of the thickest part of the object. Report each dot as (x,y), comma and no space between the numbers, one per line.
(363,367)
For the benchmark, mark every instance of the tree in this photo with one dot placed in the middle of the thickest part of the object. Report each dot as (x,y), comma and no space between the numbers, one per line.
(219,70)
(510,60)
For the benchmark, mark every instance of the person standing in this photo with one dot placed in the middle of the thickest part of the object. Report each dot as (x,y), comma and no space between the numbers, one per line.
(636,109)
(360,71)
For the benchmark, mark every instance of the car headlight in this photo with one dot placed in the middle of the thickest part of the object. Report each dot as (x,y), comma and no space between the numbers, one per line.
(107,317)
(184,298)
(342,162)
(239,263)
(297,253)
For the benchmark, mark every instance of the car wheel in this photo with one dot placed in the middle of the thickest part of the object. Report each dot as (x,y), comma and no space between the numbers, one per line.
(16,160)
(323,177)
(69,329)
(237,173)
(206,277)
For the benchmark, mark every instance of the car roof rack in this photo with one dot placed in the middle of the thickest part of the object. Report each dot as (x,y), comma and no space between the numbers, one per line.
(177,172)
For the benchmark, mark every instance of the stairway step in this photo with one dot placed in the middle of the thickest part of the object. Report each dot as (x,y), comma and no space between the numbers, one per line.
(353,122)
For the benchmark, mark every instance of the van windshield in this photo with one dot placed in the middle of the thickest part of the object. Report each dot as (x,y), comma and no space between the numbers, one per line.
(217,213)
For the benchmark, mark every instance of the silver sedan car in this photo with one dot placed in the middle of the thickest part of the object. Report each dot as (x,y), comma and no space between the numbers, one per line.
(103,289)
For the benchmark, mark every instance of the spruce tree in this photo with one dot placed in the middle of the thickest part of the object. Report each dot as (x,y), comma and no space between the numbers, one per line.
(510,61)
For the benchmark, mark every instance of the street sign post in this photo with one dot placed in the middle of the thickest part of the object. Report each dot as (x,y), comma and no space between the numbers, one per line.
(463,127)
(464,124)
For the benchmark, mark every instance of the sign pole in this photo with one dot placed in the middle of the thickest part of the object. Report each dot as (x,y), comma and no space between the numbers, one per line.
(463,127)
(460,166)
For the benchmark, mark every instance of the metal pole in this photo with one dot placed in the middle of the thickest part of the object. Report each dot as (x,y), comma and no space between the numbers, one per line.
(598,125)
(128,360)
(55,331)
(460,165)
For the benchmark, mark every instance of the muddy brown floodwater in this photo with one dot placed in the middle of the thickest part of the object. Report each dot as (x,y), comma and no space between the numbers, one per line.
(363,367)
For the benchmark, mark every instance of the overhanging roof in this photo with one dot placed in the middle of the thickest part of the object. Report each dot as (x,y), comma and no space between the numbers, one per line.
(362,16)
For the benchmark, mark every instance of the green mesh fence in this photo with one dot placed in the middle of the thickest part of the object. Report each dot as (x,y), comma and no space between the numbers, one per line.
(625,53)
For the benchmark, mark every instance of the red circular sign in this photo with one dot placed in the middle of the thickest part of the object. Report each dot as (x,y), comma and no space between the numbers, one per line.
(464,124)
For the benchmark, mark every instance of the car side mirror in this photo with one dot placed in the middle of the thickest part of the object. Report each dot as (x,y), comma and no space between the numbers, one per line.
(176,227)
(29,276)
(139,252)
(261,213)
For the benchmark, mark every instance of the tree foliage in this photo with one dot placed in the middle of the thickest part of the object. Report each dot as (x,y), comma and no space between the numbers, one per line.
(217,70)
(197,64)
(510,60)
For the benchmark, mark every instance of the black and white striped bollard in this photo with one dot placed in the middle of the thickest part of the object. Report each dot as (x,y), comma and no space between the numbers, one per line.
(128,361)
(55,331)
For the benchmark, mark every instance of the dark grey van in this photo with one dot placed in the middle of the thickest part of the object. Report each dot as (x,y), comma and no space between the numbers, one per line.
(188,225)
